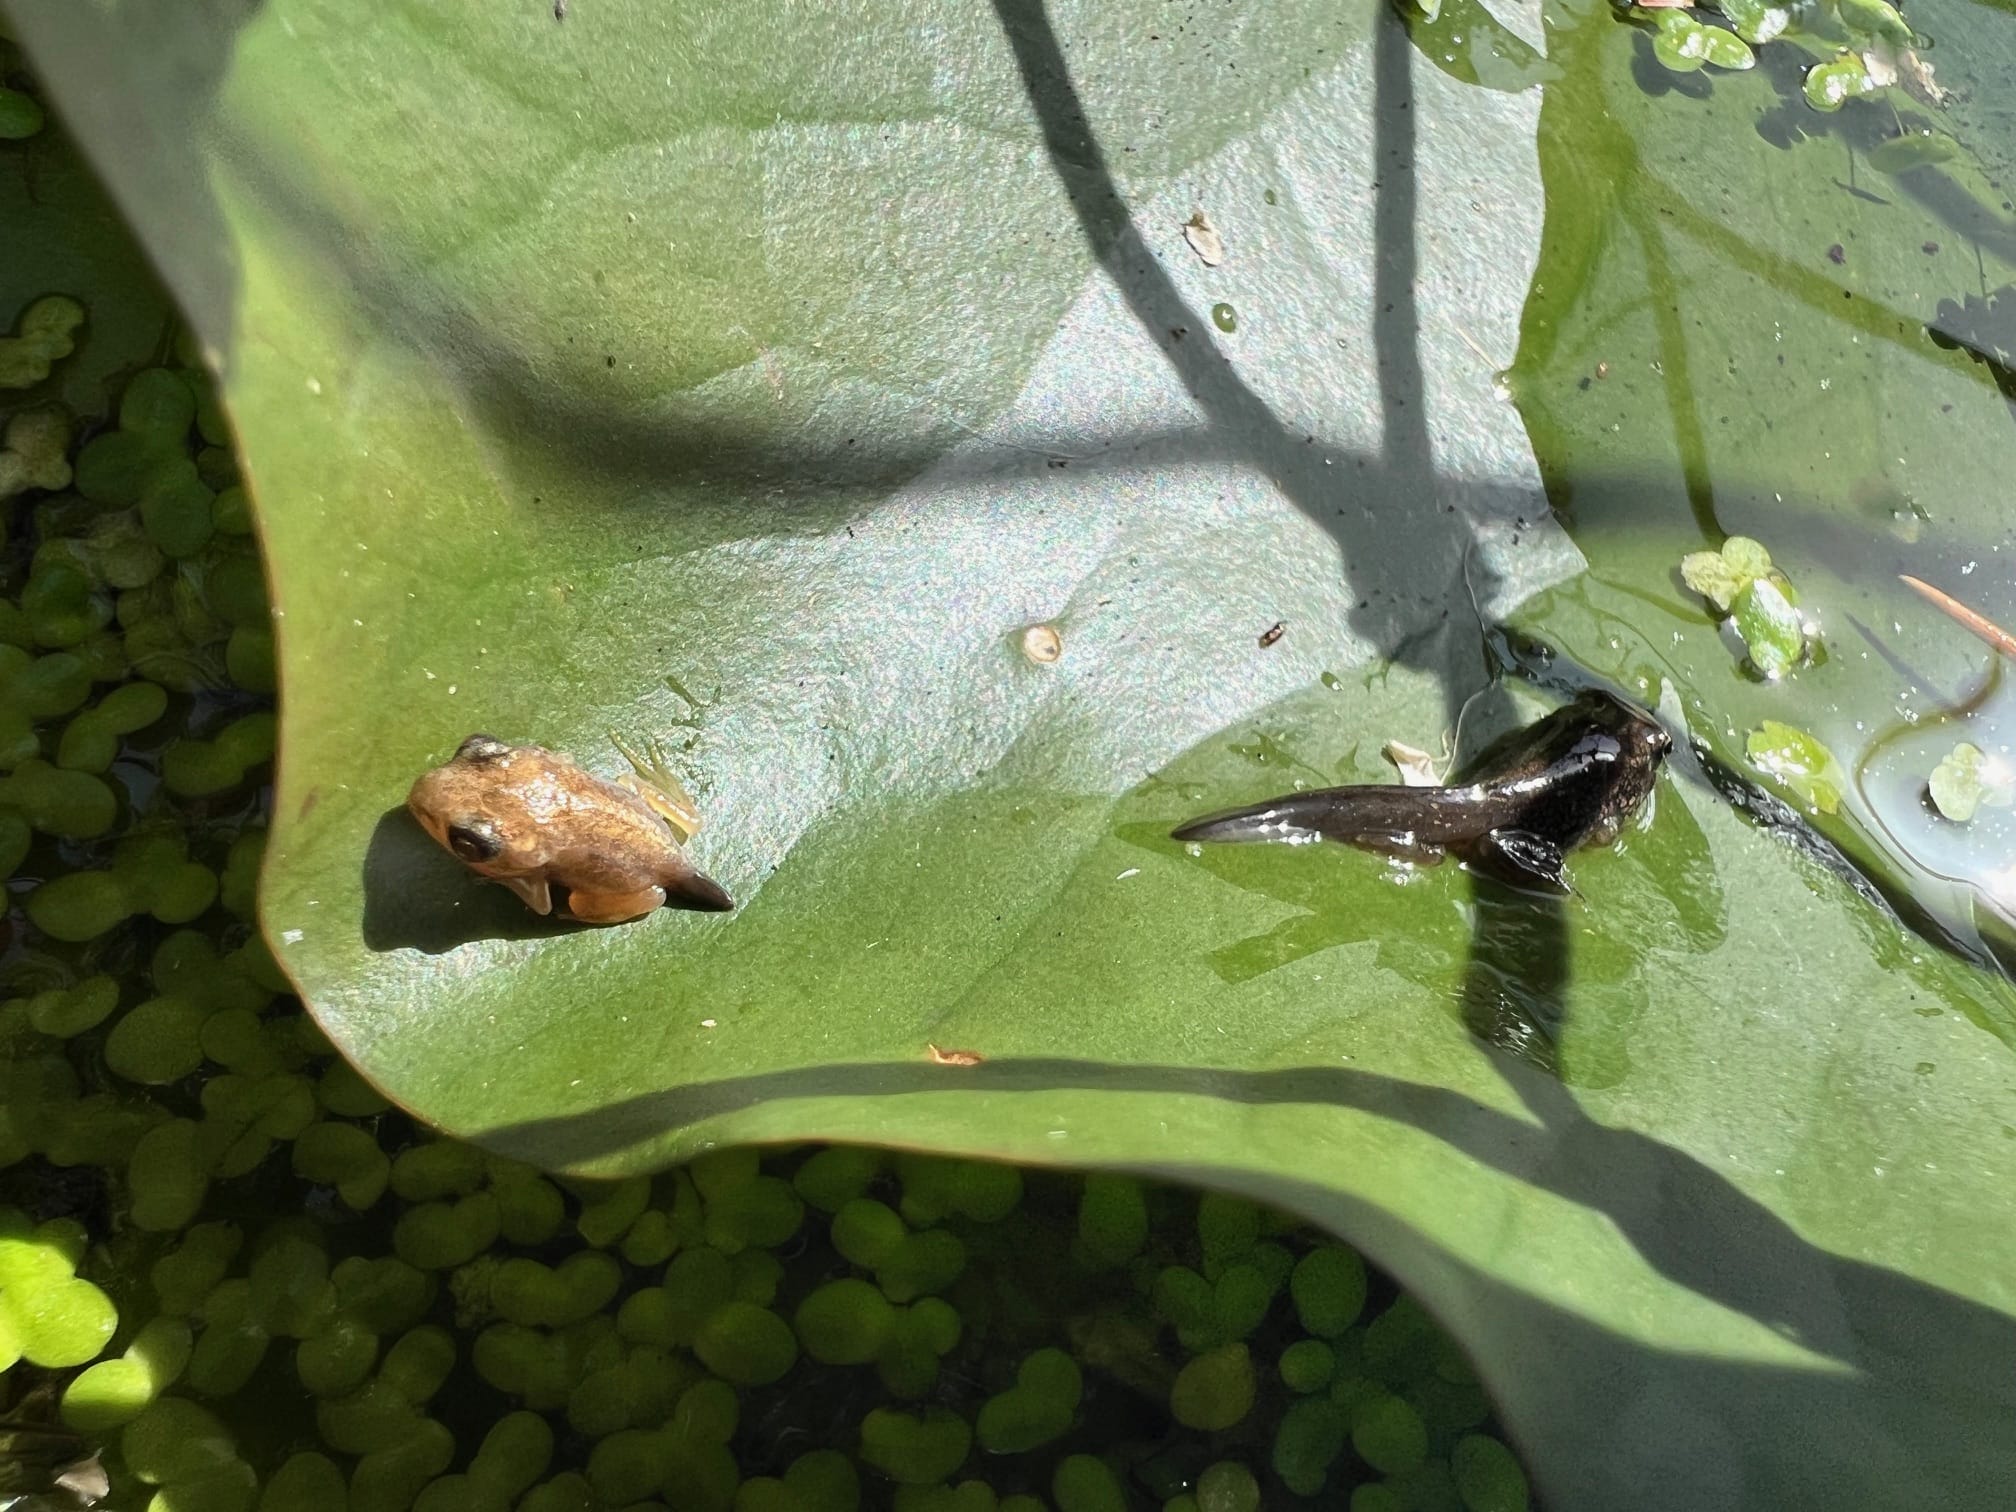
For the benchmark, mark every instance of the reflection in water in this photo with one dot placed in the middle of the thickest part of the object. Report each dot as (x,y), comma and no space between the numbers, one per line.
(1514,990)
(1980,855)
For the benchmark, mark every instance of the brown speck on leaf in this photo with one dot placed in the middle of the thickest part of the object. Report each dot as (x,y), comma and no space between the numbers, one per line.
(1272,633)
(954,1057)
(313,797)
(1602,370)
(1929,248)
(1837,254)
(1204,239)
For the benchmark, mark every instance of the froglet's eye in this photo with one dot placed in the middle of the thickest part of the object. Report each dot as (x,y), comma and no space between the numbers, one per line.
(475,840)
(481,748)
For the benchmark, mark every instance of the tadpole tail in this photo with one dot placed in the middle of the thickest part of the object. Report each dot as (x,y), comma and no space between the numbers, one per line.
(1390,818)
(1296,818)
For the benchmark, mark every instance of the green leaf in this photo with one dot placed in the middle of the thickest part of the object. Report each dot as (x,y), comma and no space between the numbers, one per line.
(1876,18)
(1754,20)
(1681,42)
(709,379)
(1725,49)
(1833,84)
(1800,763)
(1747,558)
(1770,627)
(1710,574)
(1966,778)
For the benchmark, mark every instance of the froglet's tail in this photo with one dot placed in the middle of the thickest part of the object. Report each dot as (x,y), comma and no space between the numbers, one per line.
(1408,822)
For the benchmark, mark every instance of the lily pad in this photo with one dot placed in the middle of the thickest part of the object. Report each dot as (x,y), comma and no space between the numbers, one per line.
(756,381)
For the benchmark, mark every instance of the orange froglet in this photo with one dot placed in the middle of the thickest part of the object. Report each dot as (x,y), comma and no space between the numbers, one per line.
(535,820)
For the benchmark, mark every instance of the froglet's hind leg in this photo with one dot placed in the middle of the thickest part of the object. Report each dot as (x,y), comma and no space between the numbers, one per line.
(654,783)
(615,908)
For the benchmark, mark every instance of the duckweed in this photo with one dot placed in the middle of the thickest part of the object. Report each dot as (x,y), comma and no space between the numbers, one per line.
(1307,1365)
(150,874)
(746,1344)
(1388,1434)
(34,451)
(915,1448)
(63,1012)
(45,333)
(1036,1409)
(1112,1220)
(1215,1390)
(196,768)
(844,1322)
(1085,1483)
(91,740)
(49,1316)
(1227,1486)
(20,115)
(1328,1286)
(69,805)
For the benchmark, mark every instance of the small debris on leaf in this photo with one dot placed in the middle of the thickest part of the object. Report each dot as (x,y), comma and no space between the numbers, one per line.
(1976,622)
(1204,239)
(955,1057)
(1889,63)
(1416,766)
(1042,644)
(1836,254)
(1272,633)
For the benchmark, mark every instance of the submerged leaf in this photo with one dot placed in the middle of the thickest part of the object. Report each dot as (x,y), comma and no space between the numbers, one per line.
(1966,778)
(1914,149)
(1800,762)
